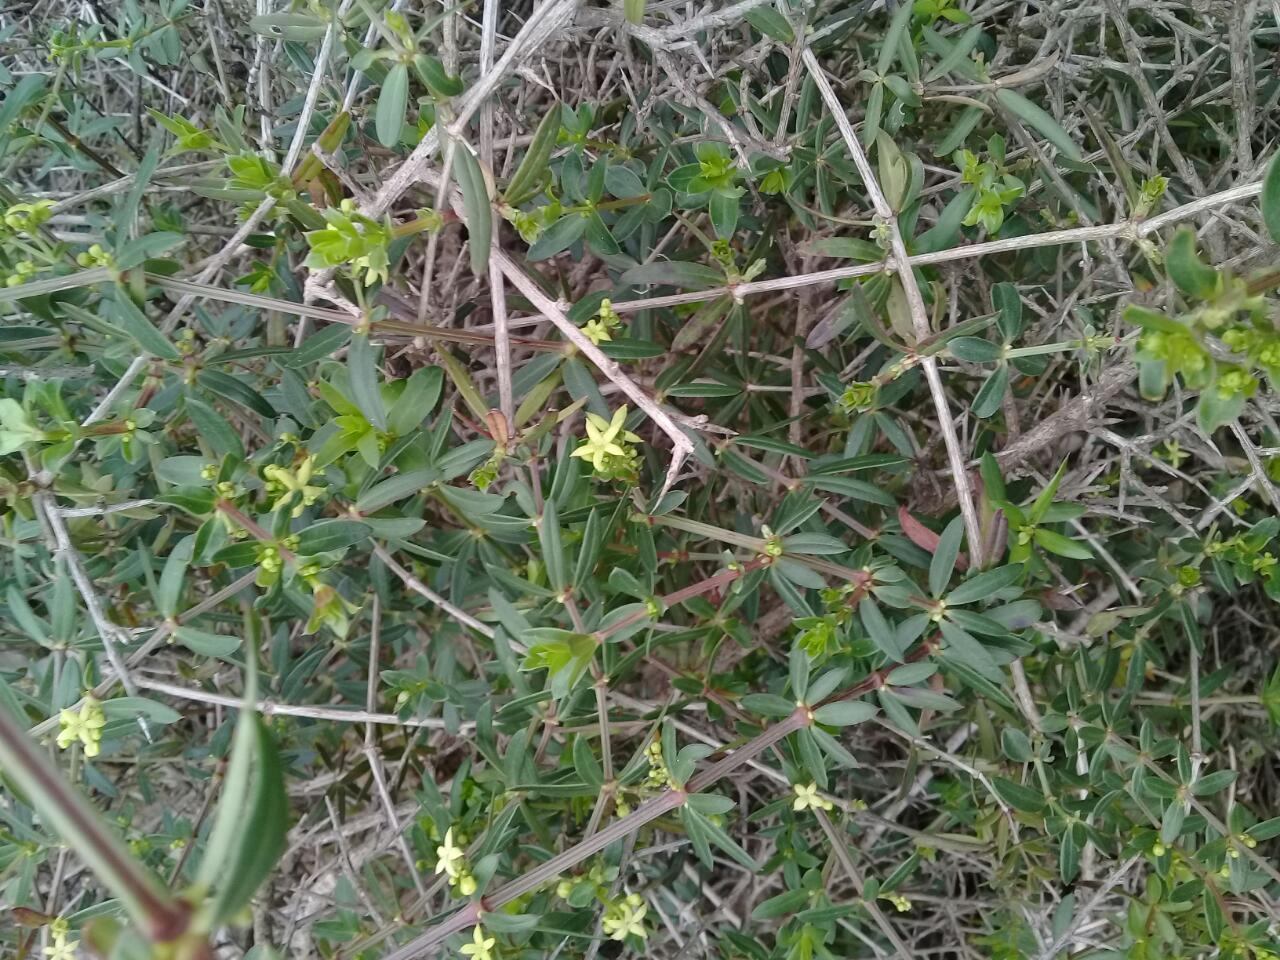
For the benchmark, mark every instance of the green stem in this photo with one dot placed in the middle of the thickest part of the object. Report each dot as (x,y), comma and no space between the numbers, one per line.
(159,915)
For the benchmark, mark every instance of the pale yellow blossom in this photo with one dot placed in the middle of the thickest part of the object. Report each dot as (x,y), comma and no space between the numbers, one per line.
(807,798)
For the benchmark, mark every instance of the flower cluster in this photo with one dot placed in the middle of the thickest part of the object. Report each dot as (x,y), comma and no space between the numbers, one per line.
(292,486)
(606,446)
(659,775)
(84,725)
(95,256)
(61,948)
(995,188)
(28,217)
(900,903)
(23,271)
(452,862)
(601,326)
(857,396)
(354,239)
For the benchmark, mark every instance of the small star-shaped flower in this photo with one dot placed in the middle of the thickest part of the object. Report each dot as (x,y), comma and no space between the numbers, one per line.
(62,949)
(624,920)
(603,438)
(480,947)
(807,798)
(450,856)
(85,726)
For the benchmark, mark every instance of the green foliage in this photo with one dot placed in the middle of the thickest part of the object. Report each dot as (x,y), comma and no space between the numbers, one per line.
(757,543)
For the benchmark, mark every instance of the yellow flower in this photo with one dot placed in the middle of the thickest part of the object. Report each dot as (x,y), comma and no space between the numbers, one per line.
(291,482)
(605,438)
(601,326)
(900,903)
(596,330)
(85,726)
(480,946)
(807,798)
(62,949)
(626,918)
(450,861)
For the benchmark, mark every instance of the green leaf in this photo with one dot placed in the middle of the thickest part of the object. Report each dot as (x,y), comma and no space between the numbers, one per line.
(1016,745)
(261,828)
(878,629)
(558,237)
(983,585)
(420,395)
(710,804)
(362,373)
(126,214)
(767,705)
(814,544)
(964,647)
(719,838)
(1175,815)
(975,349)
(1068,856)
(1267,830)
(395,488)
(675,273)
(1017,796)
(943,562)
(845,713)
(213,429)
(207,644)
(439,81)
(229,388)
(991,395)
(890,46)
(393,100)
(130,708)
(798,670)
(783,905)
(1008,303)
(319,345)
(585,763)
(1193,277)
(1212,783)
(724,214)
(1214,410)
(197,501)
(957,55)
(633,10)
(1036,512)
(476,206)
(532,171)
(1041,122)
(552,547)
(289,26)
(833,748)
(26,91)
(135,323)
(1062,546)
(770,23)
(1270,198)
(1152,320)
(330,535)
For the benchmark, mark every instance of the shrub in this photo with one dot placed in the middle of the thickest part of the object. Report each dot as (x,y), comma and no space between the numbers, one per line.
(774,480)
